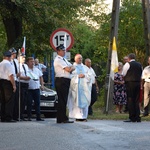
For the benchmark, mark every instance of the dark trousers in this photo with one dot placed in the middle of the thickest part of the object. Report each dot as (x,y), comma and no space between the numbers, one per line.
(33,95)
(93,98)
(7,100)
(16,103)
(22,92)
(133,93)
(23,98)
(62,88)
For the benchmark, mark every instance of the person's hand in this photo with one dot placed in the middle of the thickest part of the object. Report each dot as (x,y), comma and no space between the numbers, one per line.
(27,78)
(81,75)
(18,74)
(14,88)
(97,89)
(72,68)
(42,87)
(121,82)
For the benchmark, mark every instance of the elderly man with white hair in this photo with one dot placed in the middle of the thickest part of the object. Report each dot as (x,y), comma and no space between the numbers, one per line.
(80,91)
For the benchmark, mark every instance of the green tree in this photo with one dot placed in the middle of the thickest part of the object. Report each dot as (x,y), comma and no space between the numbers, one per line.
(131,30)
(37,19)
(130,33)
(130,36)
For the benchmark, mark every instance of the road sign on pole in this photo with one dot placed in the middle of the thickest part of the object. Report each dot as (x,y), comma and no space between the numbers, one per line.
(60,36)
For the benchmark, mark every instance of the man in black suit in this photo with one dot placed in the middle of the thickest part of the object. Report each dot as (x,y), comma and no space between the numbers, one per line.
(132,72)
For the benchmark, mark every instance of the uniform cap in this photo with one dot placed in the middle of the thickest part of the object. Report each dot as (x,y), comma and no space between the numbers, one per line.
(7,54)
(22,54)
(13,51)
(60,47)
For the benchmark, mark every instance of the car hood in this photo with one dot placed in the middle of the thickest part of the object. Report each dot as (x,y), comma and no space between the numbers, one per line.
(48,93)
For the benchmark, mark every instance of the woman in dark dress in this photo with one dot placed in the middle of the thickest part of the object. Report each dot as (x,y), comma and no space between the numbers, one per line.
(119,94)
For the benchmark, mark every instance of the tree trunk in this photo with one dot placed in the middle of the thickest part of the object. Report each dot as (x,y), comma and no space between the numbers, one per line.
(13,29)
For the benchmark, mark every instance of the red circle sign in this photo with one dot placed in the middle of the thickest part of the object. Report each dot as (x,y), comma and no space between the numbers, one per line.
(61,36)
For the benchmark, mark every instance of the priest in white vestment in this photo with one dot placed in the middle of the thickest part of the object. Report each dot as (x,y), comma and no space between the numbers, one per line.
(80,91)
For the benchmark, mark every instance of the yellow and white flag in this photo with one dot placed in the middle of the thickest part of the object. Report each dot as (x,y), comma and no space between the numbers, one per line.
(114,60)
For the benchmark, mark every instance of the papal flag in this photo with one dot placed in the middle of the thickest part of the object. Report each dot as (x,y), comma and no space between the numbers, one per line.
(23,46)
(114,60)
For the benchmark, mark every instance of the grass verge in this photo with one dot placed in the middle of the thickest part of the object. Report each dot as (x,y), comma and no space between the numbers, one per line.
(100,115)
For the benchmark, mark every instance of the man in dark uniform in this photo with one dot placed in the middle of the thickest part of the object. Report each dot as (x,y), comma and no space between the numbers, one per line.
(63,70)
(132,72)
(7,88)
(23,83)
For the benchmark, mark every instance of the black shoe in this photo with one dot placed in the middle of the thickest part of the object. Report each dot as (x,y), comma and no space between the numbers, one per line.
(129,120)
(125,111)
(77,120)
(16,119)
(39,119)
(144,115)
(67,121)
(29,119)
(81,120)
(23,119)
(138,121)
(10,121)
(2,120)
(84,120)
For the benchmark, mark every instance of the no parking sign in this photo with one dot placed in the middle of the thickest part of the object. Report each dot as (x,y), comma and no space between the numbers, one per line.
(60,36)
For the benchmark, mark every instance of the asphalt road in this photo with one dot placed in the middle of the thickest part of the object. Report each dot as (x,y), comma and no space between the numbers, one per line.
(91,135)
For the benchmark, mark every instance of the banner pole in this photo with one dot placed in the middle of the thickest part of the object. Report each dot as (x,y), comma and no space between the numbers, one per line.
(19,86)
(108,94)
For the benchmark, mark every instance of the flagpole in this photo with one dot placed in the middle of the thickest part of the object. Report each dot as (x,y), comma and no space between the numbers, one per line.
(19,83)
(113,69)
(108,95)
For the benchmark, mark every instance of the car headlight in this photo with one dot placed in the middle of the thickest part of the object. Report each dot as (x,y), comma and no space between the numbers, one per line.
(45,94)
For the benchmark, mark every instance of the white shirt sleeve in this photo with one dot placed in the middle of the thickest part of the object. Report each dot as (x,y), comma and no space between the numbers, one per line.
(125,68)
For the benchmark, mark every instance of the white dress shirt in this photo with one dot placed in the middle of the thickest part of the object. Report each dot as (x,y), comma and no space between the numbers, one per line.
(126,67)
(17,67)
(34,74)
(93,75)
(59,64)
(6,69)
(40,66)
(22,72)
(146,74)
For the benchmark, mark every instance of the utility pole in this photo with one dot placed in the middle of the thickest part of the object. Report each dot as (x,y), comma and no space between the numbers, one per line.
(113,33)
(146,21)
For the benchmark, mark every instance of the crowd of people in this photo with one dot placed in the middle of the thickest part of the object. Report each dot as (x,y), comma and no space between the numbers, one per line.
(21,80)
(130,82)
(75,84)
(20,85)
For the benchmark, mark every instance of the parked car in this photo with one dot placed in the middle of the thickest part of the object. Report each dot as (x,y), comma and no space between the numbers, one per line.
(48,102)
